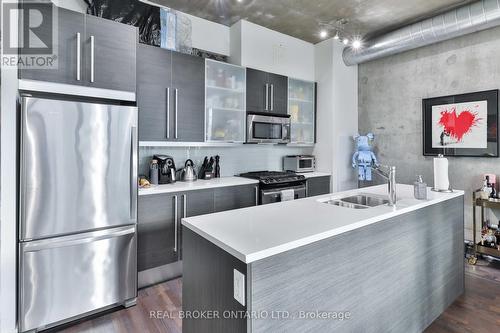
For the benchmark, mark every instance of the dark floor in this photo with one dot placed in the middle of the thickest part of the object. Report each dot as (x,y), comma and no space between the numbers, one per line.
(478,310)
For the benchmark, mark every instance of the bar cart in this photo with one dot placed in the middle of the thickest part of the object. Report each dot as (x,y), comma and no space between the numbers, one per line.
(479,248)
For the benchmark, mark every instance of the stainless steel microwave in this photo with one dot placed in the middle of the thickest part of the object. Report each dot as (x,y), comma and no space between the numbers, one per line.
(299,163)
(268,128)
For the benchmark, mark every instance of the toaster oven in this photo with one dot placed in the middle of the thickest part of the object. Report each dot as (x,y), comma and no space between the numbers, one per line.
(299,163)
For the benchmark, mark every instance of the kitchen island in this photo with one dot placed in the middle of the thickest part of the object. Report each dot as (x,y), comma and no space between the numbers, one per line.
(310,265)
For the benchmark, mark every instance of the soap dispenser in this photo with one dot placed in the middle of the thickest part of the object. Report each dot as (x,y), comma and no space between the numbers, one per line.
(420,188)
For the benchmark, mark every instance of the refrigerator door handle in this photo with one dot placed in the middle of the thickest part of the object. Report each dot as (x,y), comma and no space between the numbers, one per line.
(133,175)
(77,239)
(22,171)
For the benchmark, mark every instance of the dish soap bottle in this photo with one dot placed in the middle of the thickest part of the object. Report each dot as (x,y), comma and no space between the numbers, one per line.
(420,188)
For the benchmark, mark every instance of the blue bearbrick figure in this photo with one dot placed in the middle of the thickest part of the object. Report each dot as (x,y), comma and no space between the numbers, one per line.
(364,158)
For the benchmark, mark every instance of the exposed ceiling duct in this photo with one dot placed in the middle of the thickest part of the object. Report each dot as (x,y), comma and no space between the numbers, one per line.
(475,17)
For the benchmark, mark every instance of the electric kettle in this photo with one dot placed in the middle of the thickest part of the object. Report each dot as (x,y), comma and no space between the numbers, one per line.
(188,174)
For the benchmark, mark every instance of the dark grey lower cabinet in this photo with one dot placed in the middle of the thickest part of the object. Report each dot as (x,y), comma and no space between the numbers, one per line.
(160,232)
(318,186)
(228,198)
(195,203)
(156,242)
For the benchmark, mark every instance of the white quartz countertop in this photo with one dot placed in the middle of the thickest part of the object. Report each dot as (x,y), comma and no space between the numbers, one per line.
(315,174)
(255,233)
(201,184)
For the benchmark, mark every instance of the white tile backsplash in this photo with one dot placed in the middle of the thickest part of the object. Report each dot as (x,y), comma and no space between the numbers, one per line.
(233,160)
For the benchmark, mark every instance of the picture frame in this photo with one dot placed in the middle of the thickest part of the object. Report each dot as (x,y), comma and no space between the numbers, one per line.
(463,125)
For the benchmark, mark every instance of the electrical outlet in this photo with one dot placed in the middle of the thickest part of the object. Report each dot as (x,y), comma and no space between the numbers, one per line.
(239,287)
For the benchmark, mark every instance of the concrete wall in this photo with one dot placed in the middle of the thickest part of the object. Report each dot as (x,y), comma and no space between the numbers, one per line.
(390,97)
(337,114)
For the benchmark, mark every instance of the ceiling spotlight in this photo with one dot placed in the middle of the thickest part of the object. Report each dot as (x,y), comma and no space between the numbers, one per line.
(356,44)
(345,41)
(336,37)
(323,34)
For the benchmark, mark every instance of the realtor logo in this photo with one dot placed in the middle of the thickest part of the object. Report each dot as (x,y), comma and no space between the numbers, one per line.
(29,34)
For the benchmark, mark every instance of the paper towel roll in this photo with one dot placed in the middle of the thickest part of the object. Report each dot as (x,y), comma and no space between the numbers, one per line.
(441,180)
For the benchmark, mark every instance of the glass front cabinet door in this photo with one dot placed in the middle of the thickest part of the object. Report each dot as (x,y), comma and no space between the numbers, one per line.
(302,110)
(225,108)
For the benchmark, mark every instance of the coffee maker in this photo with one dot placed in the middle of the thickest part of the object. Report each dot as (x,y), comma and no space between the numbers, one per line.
(166,169)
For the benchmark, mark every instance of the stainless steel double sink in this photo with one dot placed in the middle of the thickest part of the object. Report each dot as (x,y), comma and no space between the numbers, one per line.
(359,201)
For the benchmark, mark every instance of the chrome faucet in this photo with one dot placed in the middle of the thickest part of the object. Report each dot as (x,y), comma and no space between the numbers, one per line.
(390,175)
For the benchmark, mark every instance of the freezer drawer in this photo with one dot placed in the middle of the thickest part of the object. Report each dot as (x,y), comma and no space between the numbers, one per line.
(65,277)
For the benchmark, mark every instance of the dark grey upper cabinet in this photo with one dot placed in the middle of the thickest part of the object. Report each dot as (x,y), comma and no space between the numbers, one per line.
(70,25)
(318,186)
(228,198)
(266,92)
(188,83)
(170,95)
(257,91)
(154,81)
(108,63)
(278,93)
(114,54)
(156,230)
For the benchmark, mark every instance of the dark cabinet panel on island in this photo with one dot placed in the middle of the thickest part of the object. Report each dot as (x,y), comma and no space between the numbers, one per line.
(318,186)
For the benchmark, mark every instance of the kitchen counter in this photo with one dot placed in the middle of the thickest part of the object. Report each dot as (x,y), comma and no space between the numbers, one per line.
(201,184)
(256,233)
(314,174)
(308,266)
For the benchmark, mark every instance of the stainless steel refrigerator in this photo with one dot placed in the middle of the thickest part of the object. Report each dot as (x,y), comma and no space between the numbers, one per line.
(78,210)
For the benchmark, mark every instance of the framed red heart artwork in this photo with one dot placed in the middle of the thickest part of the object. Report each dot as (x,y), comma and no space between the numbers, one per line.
(461,125)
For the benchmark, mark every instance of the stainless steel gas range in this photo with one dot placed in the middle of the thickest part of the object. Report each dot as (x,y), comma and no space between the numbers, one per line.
(275,186)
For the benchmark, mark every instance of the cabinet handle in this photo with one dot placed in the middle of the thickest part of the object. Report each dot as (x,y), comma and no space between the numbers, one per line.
(267,97)
(256,195)
(78,56)
(176,110)
(184,199)
(92,59)
(168,113)
(272,97)
(176,218)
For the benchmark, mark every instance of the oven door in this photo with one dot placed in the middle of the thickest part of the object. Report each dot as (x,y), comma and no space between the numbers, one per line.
(268,129)
(268,196)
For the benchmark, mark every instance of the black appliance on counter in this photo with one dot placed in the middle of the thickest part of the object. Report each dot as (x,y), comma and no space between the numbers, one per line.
(274,185)
(166,169)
